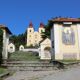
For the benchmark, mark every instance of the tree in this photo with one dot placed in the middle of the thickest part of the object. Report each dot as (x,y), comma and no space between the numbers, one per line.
(19,40)
(46,34)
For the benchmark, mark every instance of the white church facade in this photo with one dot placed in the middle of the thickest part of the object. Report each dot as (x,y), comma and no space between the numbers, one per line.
(34,37)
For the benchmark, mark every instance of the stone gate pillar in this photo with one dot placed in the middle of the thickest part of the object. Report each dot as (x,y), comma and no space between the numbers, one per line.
(6,34)
(5,45)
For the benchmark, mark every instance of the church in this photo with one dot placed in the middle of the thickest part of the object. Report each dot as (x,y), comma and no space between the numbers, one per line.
(34,37)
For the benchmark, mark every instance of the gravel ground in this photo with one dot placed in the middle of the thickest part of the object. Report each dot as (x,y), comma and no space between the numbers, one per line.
(69,74)
(72,73)
(29,75)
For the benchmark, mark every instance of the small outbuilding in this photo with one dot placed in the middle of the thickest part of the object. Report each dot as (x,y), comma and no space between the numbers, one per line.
(21,48)
(65,38)
(11,48)
(45,49)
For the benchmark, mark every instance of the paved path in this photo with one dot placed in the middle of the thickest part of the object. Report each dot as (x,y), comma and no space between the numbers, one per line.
(29,75)
(69,74)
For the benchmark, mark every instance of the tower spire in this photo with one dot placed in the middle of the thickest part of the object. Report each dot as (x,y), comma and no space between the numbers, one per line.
(30,25)
(41,25)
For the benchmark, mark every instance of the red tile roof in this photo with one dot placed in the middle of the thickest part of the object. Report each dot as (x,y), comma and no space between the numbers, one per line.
(65,20)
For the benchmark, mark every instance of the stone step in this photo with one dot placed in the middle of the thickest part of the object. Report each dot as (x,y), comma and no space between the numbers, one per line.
(31,68)
(30,65)
(27,62)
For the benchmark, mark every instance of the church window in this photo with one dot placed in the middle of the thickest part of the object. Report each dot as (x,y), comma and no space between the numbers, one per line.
(41,30)
(30,30)
(11,47)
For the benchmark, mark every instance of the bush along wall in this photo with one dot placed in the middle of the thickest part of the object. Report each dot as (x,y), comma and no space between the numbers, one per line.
(1,45)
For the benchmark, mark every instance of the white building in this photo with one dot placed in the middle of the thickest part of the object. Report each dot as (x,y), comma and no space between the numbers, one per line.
(11,48)
(45,49)
(65,38)
(21,48)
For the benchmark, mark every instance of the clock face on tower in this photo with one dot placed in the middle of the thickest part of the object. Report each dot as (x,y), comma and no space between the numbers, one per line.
(68,36)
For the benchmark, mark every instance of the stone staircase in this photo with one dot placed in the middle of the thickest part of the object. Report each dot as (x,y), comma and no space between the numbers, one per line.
(30,66)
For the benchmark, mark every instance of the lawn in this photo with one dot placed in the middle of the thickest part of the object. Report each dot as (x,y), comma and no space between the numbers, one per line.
(21,56)
(69,61)
(2,70)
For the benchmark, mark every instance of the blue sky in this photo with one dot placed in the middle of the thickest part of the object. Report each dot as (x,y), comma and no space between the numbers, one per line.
(16,14)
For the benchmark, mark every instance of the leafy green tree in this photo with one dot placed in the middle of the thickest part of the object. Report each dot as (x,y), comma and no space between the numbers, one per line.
(19,40)
(46,34)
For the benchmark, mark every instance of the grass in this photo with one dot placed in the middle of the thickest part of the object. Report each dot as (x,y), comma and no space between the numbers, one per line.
(21,56)
(2,70)
(69,61)
(1,79)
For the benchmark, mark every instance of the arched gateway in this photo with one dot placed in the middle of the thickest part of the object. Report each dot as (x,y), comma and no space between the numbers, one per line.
(6,34)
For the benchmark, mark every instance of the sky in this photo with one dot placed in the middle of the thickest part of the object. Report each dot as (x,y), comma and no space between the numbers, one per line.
(17,14)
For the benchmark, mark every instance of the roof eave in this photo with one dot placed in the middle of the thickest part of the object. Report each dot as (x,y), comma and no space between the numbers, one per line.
(6,28)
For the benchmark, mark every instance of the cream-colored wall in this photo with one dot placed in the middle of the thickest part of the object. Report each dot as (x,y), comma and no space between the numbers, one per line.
(57,54)
(78,28)
(30,36)
(43,45)
(60,48)
(70,48)
(36,38)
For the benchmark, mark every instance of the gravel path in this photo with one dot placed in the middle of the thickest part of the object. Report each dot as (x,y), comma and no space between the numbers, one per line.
(68,74)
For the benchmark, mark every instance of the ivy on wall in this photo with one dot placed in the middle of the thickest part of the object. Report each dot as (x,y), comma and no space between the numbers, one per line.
(1,45)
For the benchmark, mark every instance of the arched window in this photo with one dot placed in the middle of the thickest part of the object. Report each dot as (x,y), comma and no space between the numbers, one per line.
(41,31)
(30,30)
